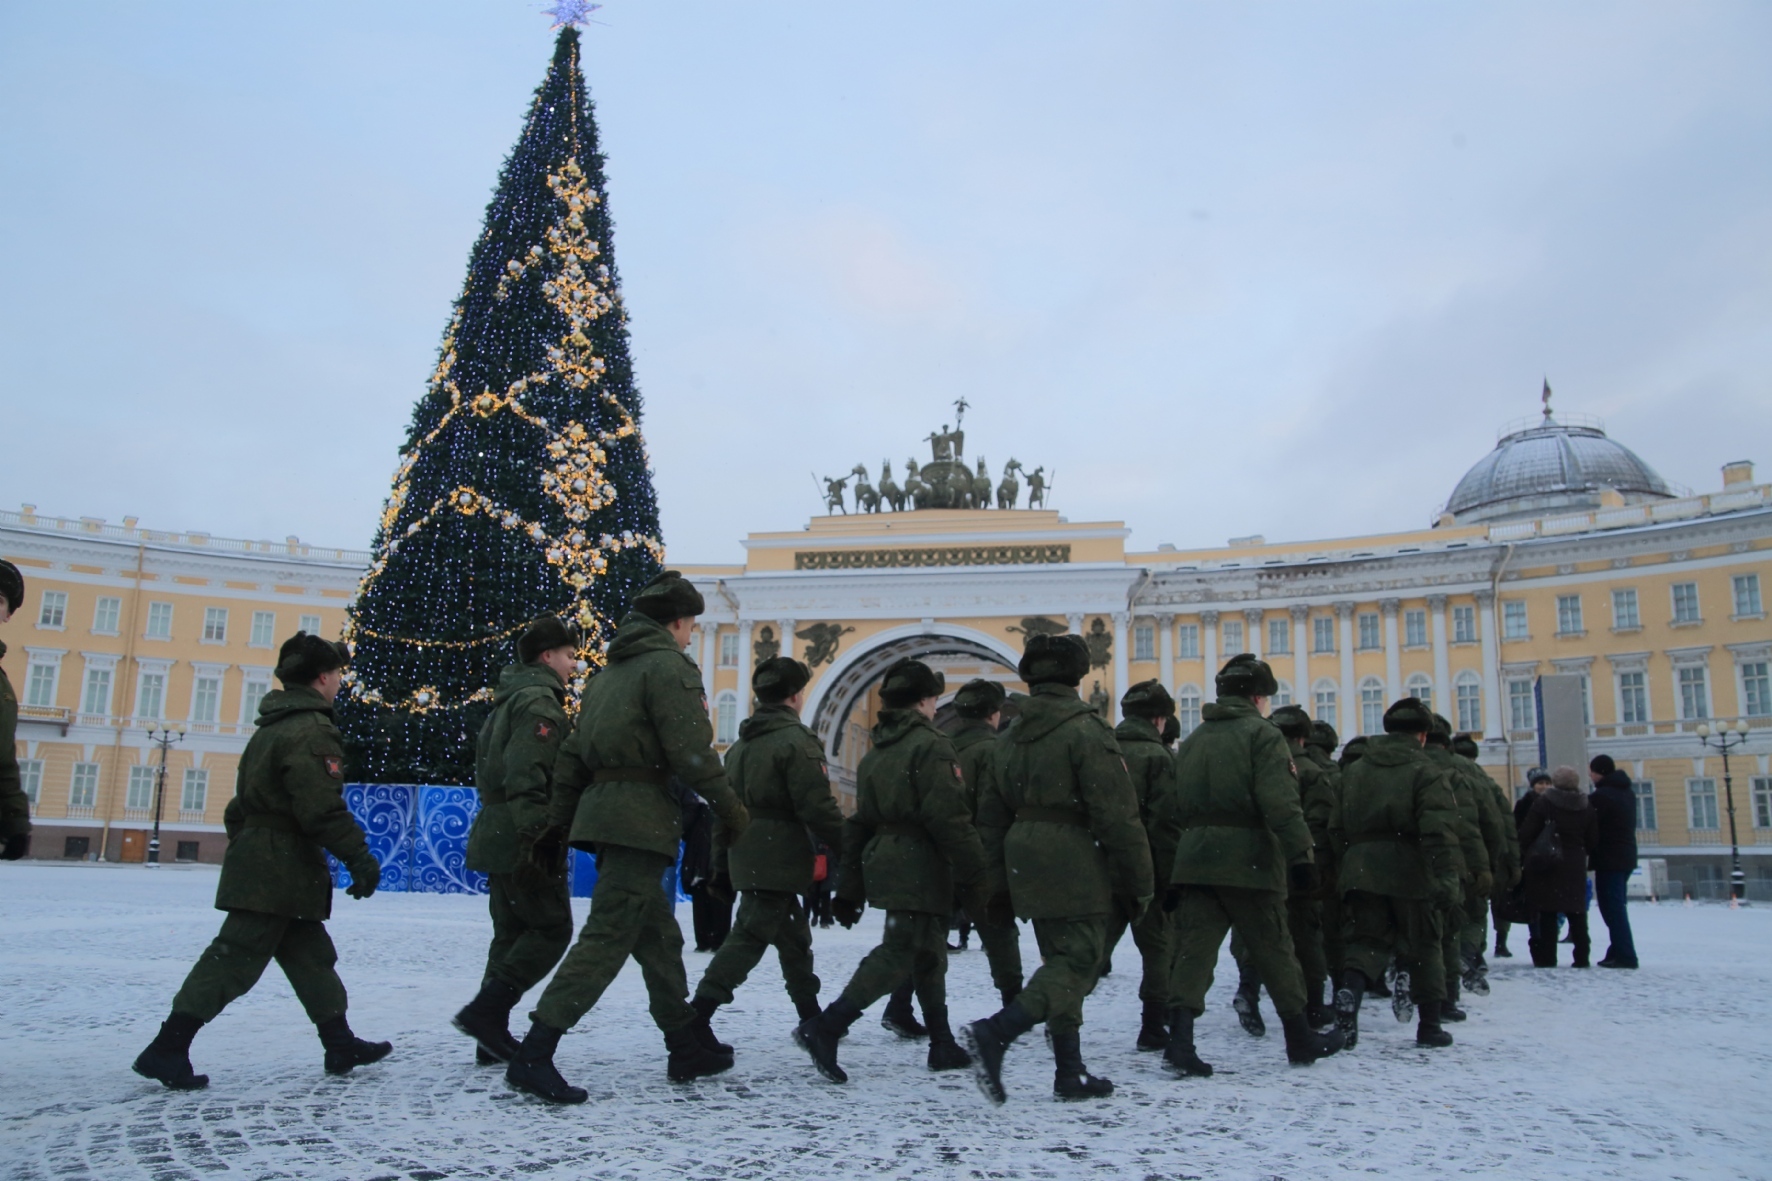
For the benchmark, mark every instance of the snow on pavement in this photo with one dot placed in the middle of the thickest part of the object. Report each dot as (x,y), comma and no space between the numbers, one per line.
(1661,1073)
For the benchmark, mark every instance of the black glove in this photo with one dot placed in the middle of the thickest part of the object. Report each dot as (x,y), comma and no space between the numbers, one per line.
(541,858)
(365,876)
(17,845)
(846,912)
(1302,879)
(1172,897)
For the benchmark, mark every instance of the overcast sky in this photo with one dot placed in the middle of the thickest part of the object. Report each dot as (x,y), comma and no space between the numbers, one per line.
(1223,268)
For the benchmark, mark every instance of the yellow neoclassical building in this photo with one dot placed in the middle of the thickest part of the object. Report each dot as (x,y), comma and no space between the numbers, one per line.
(1561,551)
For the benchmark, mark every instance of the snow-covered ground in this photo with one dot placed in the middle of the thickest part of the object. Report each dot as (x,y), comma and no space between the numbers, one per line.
(1661,1073)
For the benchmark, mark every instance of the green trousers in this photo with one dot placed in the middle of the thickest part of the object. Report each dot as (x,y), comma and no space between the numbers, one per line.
(236,958)
(1150,934)
(766,918)
(1248,979)
(531,930)
(1002,951)
(1333,954)
(915,944)
(1071,954)
(1377,927)
(1304,920)
(1474,932)
(630,916)
(1451,933)
(1203,917)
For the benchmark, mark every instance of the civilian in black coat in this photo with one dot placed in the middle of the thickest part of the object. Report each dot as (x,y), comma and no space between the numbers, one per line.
(1510,908)
(1615,803)
(1562,889)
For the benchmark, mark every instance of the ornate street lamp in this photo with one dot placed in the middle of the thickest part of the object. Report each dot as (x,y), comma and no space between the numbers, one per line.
(1726,738)
(164,740)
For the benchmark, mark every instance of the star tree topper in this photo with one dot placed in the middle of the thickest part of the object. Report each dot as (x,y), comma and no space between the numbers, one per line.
(570,12)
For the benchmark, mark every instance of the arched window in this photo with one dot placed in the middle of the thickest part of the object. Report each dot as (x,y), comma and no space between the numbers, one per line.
(1323,698)
(1283,695)
(726,718)
(1467,689)
(1418,685)
(1187,709)
(1372,706)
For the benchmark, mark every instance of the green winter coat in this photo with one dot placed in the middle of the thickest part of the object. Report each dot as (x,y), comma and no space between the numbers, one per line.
(1474,849)
(975,741)
(911,836)
(644,713)
(1500,836)
(288,812)
(777,768)
(1059,815)
(15,808)
(1237,800)
(1316,796)
(514,764)
(1395,827)
(1151,767)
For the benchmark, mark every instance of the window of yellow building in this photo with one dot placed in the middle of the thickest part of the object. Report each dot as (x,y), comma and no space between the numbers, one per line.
(1686,603)
(1279,637)
(83,789)
(1756,689)
(1464,625)
(1624,609)
(215,625)
(52,615)
(1701,798)
(105,615)
(1187,641)
(159,622)
(264,630)
(1747,596)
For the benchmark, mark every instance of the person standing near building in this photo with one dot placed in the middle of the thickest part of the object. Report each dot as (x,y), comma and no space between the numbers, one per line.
(1512,909)
(287,813)
(777,768)
(907,845)
(979,704)
(1067,851)
(1244,844)
(1399,862)
(643,721)
(1615,856)
(15,808)
(513,773)
(1555,879)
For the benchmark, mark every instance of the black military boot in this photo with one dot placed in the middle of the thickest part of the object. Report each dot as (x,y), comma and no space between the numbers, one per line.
(487,1019)
(1178,1055)
(807,1008)
(1402,998)
(1153,1034)
(1069,1079)
(944,1052)
(1449,1010)
(532,1068)
(899,1017)
(989,1040)
(168,1057)
(1380,987)
(1476,974)
(1247,1003)
(1428,1031)
(819,1036)
(704,1007)
(1347,1006)
(345,1051)
(690,1057)
(1305,1045)
(1320,1015)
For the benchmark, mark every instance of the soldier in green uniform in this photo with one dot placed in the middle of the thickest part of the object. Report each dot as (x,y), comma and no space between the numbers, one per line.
(1319,748)
(979,704)
(1151,766)
(1060,825)
(1502,838)
(1304,912)
(907,846)
(1395,829)
(1244,842)
(1478,835)
(777,768)
(15,808)
(643,722)
(287,813)
(514,772)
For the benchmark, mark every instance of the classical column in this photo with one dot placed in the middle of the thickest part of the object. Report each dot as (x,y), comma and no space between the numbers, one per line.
(1252,629)
(1492,727)
(1301,657)
(1350,700)
(1209,650)
(1393,656)
(1122,666)
(787,636)
(1166,652)
(1445,701)
(1075,621)
(745,627)
(710,650)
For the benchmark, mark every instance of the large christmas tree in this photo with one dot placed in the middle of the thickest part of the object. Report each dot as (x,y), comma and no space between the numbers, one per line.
(523,487)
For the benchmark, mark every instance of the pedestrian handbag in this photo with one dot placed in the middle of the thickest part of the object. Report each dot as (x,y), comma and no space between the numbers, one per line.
(1546,854)
(821,867)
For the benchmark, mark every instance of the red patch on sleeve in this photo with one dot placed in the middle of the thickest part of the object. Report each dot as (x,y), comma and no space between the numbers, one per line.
(335,766)
(957,774)
(544,729)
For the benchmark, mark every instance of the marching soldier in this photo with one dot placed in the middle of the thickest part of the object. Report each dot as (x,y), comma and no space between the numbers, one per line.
(513,772)
(1479,836)
(15,807)
(1146,707)
(906,846)
(643,722)
(1396,834)
(287,813)
(1060,824)
(1244,843)
(979,703)
(1319,748)
(1503,840)
(1304,912)
(777,768)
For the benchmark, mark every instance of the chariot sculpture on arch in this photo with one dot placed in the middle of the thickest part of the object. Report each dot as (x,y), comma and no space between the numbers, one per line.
(944,480)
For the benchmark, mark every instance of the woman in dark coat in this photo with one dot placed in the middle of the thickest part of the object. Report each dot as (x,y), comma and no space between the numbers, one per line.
(1562,889)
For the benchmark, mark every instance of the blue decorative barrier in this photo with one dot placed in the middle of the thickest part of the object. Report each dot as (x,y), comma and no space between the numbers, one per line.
(419,834)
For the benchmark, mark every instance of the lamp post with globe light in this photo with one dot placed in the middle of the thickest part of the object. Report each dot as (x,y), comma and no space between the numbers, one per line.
(1727,737)
(164,740)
